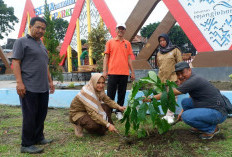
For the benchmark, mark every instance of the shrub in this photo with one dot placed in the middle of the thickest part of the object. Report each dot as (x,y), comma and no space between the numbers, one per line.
(71,85)
(97,41)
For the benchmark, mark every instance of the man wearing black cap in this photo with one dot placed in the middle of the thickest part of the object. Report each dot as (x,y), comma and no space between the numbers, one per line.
(205,108)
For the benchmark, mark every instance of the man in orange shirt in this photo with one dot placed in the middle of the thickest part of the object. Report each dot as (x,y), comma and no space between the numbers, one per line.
(117,63)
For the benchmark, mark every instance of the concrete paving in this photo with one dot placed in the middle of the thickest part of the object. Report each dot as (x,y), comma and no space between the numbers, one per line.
(7,84)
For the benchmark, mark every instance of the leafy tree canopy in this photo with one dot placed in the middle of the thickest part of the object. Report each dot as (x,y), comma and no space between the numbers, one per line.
(61,27)
(7,19)
(97,40)
(176,34)
(83,41)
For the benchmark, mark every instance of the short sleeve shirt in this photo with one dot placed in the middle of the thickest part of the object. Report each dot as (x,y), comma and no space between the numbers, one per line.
(118,51)
(34,63)
(203,93)
(84,53)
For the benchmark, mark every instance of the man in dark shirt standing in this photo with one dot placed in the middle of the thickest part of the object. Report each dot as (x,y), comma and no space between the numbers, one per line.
(205,108)
(30,65)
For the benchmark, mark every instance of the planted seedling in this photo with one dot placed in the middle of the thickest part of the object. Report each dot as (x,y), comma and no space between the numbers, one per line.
(135,115)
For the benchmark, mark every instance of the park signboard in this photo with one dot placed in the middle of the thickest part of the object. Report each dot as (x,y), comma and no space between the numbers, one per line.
(57,9)
(207,23)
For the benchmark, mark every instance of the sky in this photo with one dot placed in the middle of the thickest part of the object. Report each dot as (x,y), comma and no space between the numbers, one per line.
(120,9)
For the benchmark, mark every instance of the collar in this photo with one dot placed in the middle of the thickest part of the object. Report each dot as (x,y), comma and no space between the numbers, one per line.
(118,39)
(29,36)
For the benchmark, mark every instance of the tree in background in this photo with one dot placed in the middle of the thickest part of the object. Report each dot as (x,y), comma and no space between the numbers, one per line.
(176,34)
(7,19)
(60,26)
(148,30)
(83,41)
(51,44)
(97,40)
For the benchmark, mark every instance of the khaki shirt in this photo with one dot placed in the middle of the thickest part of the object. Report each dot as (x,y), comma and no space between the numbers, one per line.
(166,63)
(79,109)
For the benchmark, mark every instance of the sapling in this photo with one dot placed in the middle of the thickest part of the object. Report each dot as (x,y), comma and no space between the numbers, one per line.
(136,116)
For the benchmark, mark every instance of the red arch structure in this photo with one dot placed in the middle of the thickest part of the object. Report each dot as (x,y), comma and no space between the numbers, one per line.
(220,58)
(190,28)
(101,6)
(135,21)
(105,13)
(29,8)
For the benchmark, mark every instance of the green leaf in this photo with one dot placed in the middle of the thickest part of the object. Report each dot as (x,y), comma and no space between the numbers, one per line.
(154,90)
(230,76)
(150,91)
(153,113)
(156,105)
(134,118)
(127,126)
(135,104)
(164,101)
(135,89)
(171,100)
(152,75)
(147,81)
(171,84)
(133,114)
(126,114)
(142,112)
(147,92)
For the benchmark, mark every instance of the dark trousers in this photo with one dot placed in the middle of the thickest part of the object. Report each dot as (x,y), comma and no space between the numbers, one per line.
(34,109)
(117,82)
(91,126)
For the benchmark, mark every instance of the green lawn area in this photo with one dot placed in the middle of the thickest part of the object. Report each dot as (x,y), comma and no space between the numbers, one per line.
(178,142)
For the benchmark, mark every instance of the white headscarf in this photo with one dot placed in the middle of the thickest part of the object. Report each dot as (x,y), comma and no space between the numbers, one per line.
(91,97)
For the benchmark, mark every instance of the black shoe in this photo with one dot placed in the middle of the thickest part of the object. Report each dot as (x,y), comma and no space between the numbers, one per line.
(31,149)
(45,141)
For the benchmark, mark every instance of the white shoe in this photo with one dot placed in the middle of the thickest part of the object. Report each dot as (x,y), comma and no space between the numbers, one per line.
(119,115)
(170,119)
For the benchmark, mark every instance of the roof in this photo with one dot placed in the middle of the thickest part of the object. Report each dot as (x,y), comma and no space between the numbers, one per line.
(139,39)
(8,55)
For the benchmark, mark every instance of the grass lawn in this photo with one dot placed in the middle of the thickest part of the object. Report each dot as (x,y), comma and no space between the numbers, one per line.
(178,142)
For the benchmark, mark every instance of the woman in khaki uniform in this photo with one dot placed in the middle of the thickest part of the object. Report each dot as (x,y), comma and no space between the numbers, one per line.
(167,57)
(87,110)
